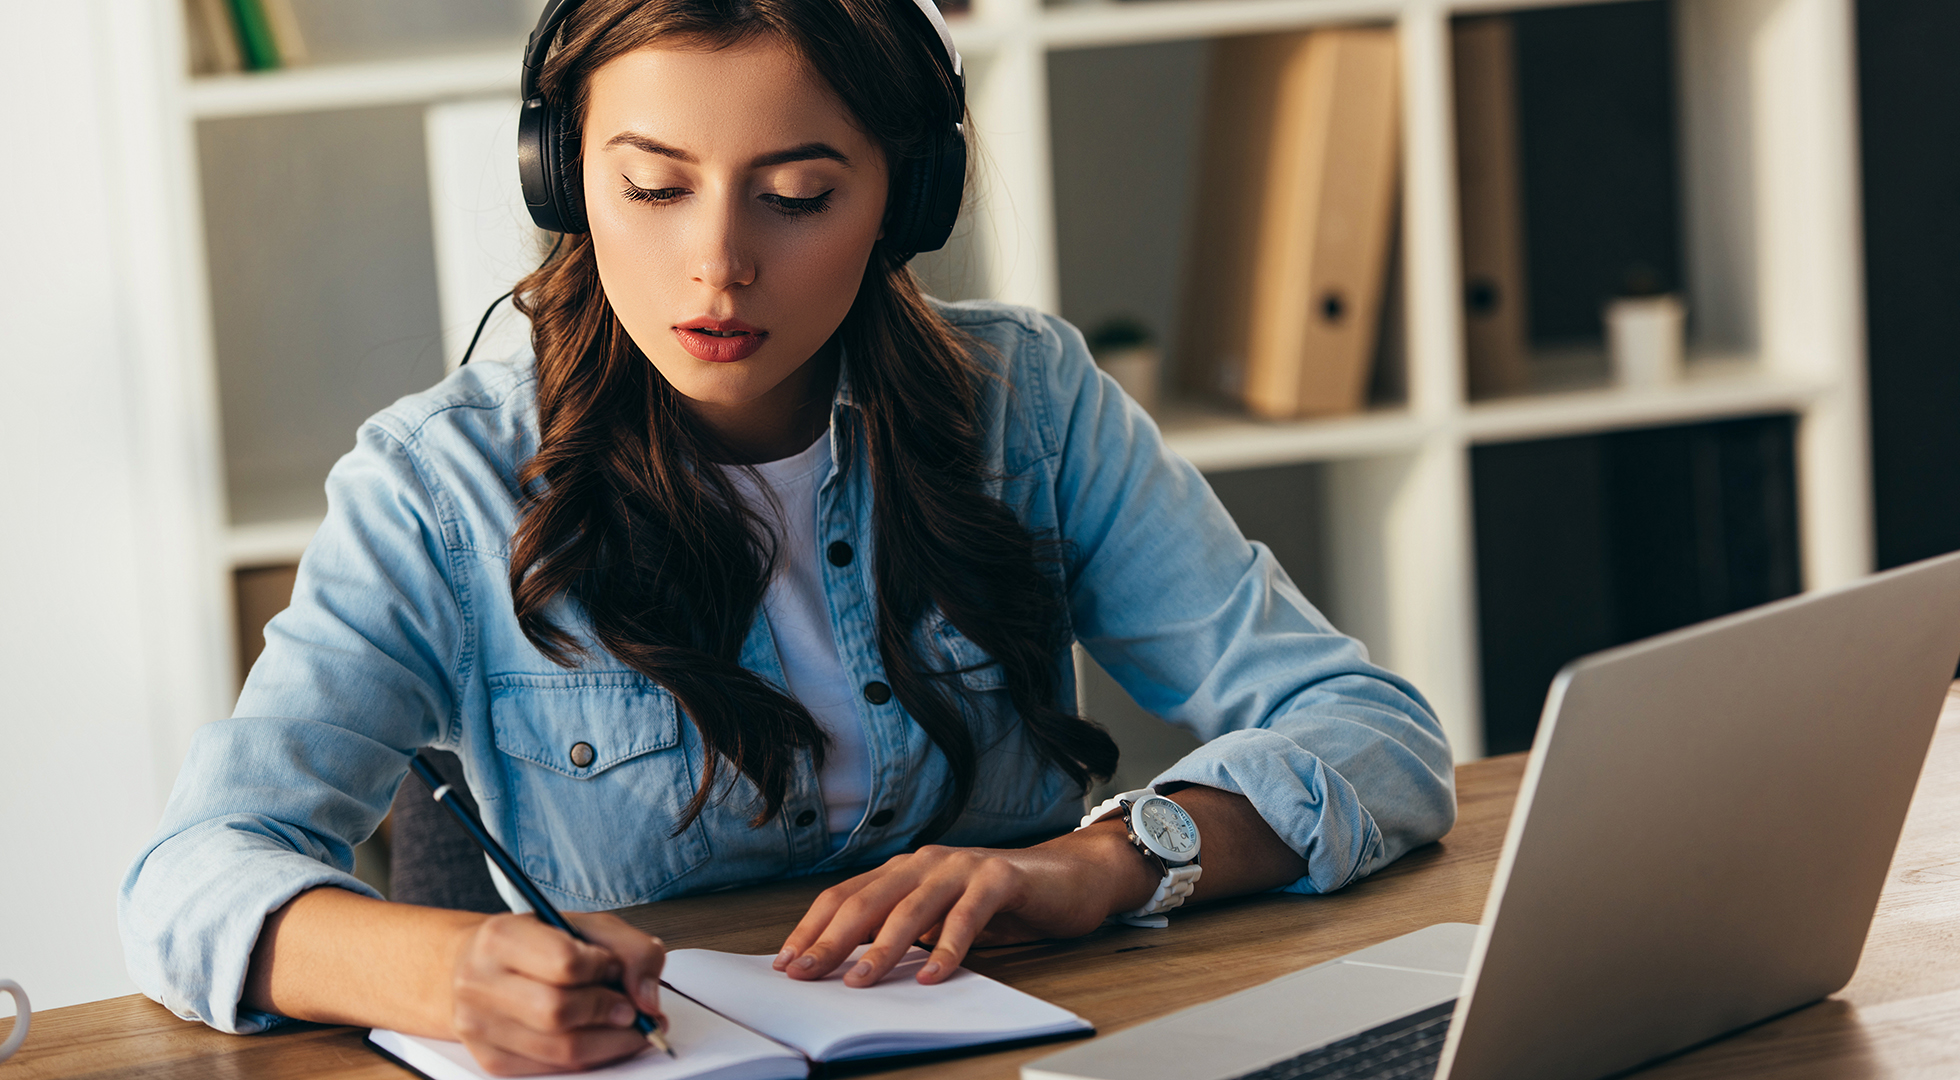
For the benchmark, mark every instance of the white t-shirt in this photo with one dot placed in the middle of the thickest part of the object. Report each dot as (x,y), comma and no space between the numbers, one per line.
(800,622)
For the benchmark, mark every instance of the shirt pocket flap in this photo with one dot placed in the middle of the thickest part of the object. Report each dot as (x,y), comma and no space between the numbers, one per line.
(978,671)
(615,716)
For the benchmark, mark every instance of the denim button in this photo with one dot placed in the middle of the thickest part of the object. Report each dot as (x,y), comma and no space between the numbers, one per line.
(582,754)
(839,553)
(877,693)
(882,818)
(806,819)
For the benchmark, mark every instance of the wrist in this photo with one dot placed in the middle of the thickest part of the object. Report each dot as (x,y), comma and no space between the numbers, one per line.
(454,947)
(1128,877)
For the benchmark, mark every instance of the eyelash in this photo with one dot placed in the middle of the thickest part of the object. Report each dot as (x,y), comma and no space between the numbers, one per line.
(788,207)
(783,204)
(653,195)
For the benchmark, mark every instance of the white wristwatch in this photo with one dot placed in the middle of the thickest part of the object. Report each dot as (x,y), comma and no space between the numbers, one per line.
(1168,837)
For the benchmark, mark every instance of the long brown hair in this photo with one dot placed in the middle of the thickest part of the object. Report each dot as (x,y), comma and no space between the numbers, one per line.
(623,516)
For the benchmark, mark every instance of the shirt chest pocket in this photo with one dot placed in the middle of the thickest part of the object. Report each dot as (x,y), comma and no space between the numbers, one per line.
(598,776)
(1013,780)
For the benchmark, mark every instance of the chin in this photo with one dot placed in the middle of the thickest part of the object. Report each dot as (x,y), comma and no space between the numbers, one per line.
(725,385)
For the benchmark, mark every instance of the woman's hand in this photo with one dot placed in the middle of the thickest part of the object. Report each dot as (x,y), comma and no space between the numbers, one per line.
(958,897)
(530,999)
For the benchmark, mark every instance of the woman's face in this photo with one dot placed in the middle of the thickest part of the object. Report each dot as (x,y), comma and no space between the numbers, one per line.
(733,204)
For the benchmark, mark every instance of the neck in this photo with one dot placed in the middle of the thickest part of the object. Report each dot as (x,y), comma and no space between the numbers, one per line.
(781,423)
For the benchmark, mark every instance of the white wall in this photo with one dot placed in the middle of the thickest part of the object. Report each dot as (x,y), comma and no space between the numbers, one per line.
(79,778)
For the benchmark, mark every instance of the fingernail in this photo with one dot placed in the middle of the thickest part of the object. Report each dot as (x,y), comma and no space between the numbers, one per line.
(649,991)
(622,1015)
(931,968)
(783,958)
(807,962)
(863,969)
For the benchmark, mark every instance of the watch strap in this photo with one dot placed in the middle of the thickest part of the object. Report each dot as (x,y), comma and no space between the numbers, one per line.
(1171,893)
(1172,890)
(1104,807)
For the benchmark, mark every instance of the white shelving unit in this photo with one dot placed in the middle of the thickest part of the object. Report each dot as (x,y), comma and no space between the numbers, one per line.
(1770,191)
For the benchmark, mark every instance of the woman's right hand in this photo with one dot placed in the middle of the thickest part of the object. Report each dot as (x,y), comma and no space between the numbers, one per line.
(531,999)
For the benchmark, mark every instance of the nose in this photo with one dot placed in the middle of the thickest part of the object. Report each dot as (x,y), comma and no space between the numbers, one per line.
(721,255)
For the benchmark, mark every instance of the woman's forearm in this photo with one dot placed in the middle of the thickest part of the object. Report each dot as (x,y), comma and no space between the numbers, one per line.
(336,957)
(1240,852)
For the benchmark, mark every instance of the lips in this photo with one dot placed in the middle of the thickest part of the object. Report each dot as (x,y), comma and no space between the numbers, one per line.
(719,341)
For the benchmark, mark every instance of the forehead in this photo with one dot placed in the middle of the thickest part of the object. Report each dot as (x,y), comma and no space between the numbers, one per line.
(756,94)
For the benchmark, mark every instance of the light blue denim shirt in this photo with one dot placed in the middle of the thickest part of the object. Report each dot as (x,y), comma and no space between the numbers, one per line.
(401,635)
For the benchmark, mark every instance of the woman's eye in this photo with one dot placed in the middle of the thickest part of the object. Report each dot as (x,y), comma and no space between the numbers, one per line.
(789,207)
(653,195)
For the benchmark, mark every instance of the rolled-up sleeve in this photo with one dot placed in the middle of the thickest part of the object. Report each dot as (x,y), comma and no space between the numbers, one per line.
(1344,759)
(356,674)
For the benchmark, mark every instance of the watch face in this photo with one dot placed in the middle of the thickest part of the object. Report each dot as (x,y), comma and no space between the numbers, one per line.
(1168,827)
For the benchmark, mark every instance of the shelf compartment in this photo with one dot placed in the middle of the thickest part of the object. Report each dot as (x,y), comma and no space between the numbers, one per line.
(323,294)
(1714,389)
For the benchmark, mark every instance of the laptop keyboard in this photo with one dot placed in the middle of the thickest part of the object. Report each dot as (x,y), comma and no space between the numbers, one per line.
(1409,1046)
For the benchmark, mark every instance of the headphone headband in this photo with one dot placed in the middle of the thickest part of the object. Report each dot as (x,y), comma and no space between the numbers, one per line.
(538,45)
(931,11)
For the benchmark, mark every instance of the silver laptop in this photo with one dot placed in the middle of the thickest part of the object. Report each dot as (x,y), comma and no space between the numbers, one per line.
(1698,844)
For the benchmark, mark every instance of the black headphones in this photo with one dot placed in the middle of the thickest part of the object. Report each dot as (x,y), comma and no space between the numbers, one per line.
(925,192)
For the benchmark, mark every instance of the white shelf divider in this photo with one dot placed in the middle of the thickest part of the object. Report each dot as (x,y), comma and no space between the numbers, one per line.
(269,543)
(413,80)
(1217,442)
(1087,25)
(1711,396)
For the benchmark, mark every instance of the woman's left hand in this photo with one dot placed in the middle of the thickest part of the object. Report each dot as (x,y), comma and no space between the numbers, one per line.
(955,898)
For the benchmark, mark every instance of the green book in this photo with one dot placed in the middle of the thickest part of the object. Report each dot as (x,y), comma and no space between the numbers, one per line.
(255,38)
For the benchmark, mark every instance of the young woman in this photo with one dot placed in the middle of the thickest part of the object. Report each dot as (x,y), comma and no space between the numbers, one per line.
(764,565)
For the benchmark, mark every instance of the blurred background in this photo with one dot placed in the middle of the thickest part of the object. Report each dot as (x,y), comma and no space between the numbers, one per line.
(1516,330)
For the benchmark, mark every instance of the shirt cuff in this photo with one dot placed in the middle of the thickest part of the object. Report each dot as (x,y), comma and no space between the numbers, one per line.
(1312,808)
(190,948)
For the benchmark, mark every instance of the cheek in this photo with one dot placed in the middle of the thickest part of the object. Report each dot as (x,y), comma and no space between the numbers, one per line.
(639,267)
(819,268)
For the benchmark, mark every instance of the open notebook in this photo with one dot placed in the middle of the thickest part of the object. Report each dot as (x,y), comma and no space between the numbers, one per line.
(748,1022)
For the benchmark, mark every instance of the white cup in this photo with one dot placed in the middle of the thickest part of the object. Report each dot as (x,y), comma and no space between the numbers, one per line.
(1135,368)
(1644,336)
(21,1013)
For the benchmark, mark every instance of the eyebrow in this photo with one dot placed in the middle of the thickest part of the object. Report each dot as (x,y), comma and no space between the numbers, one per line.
(809,151)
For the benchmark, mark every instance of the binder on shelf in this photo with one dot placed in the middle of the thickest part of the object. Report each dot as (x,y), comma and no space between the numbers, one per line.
(255,40)
(283,23)
(1490,206)
(212,39)
(1295,214)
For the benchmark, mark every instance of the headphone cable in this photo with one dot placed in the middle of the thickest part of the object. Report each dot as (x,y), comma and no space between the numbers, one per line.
(485,321)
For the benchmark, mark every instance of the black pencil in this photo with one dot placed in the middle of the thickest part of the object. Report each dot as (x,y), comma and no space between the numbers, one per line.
(540,907)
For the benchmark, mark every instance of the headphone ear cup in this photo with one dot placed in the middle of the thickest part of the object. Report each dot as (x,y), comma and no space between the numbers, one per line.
(568,180)
(930,193)
(547,158)
(534,172)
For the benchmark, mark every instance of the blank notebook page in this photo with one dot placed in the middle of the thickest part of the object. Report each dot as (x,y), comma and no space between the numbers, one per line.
(829,1021)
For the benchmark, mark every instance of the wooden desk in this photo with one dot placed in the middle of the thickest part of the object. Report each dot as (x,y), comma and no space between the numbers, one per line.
(1899,1017)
